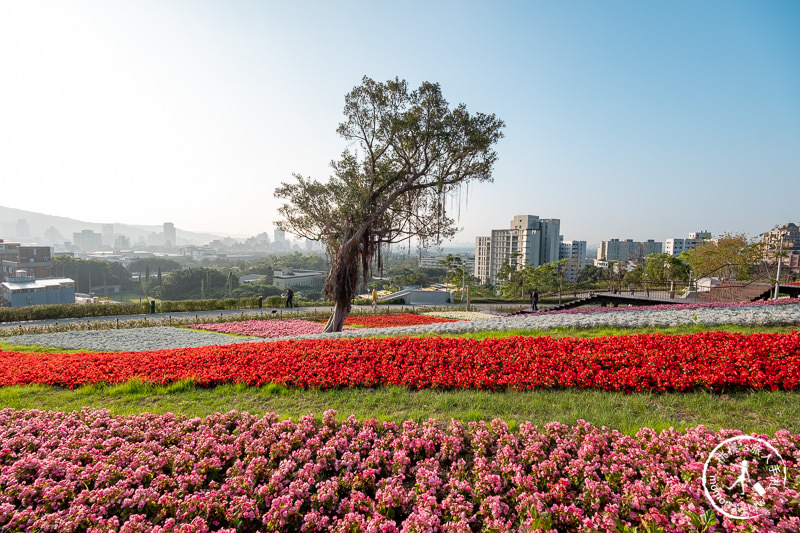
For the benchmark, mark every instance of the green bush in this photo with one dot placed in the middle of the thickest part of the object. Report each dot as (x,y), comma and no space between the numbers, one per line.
(57,311)
(274,301)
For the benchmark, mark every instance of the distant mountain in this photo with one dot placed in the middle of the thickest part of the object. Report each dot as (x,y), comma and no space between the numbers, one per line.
(40,229)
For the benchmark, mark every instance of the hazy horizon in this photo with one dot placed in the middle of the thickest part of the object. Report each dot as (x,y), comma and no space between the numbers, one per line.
(624,120)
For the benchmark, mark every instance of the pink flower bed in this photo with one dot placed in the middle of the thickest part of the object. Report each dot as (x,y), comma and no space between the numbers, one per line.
(266,328)
(90,471)
(713,305)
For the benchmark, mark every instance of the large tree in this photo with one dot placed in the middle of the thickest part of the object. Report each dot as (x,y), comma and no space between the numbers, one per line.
(410,152)
(729,256)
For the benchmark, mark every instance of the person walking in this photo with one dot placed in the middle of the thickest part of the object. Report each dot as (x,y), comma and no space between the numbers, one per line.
(535,300)
(289,296)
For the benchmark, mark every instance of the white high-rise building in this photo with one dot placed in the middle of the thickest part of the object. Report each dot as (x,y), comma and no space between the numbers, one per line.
(108,235)
(627,250)
(534,240)
(170,238)
(575,254)
(88,241)
(676,246)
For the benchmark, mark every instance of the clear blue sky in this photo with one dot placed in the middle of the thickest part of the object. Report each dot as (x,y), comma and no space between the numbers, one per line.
(624,119)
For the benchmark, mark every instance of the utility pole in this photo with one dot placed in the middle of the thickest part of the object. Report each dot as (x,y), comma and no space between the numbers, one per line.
(780,260)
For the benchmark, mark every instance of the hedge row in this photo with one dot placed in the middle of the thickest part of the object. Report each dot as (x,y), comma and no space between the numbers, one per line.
(59,311)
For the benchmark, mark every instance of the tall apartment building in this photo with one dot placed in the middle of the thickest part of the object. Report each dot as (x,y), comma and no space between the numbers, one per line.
(170,239)
(535,240)
(791,244)
(627,250)
(88,241)
(108,235)
(676,246)
(575,253)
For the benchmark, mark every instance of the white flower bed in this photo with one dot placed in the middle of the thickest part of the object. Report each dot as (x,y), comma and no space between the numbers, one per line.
(756,315)
(461,315)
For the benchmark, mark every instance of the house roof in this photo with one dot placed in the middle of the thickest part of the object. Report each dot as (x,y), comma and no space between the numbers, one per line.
(37,284)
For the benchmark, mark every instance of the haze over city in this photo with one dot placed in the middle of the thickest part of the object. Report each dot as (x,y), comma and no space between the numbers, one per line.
(629,120)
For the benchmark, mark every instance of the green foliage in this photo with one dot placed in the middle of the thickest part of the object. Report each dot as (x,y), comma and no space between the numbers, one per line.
(153,263)
(520,282)
(89,273)
(275,301)
(660,269)
(56,311)
(298,261)
(703,522)
(589,275)
(730,256)
(194,283)
(457,272)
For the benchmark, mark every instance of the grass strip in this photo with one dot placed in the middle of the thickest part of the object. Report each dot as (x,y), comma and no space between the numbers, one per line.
(752,412)
(29,348)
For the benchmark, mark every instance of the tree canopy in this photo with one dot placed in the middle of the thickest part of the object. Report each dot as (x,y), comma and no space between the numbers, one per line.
(729,256)
(410,152)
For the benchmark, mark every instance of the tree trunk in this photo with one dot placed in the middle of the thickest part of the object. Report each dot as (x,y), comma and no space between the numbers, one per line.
(342,284)
(336,322)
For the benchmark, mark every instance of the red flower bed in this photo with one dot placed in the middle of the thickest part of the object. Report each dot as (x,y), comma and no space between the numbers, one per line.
(388,321)
(716,361)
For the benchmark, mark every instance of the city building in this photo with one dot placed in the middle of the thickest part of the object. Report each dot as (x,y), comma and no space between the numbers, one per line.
(23,230)
(482,258)
(108,234)
(170,239)
(34,261)
(20,266)
(299,279)
(432,261)
(87,241)
(529,241)
(122,242)
(627,250)
(676,246)
(575,254)
(790,233)
(23,290)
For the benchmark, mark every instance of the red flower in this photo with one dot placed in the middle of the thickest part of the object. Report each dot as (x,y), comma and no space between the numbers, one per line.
(717,361)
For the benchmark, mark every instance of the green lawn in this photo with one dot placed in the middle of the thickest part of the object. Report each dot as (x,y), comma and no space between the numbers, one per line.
(760,412)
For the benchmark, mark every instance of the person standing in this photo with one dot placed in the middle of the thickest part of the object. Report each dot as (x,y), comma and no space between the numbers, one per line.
(535,300)
(374,296)
(289,297)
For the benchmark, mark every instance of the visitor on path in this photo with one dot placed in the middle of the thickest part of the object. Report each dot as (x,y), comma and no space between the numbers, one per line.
(289,295)
(535,300)
(374,296)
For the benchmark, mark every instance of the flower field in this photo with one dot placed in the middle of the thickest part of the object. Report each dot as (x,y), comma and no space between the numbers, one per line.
(716,361)
(460,315)
(273,328)
(266,328)
(389,321)
(672,307)
(92,471)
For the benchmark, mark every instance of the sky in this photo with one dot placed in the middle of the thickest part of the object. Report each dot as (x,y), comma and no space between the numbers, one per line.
(623,119)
